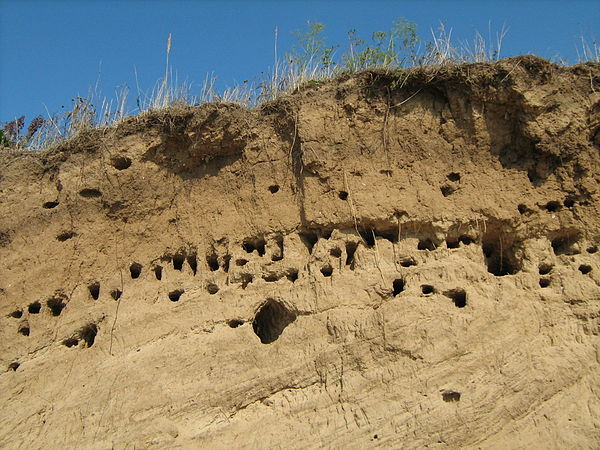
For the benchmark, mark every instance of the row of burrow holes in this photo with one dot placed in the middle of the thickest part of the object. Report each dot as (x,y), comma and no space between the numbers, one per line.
(258,245)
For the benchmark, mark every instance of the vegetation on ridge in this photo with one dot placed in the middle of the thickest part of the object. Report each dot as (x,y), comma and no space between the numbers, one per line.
(310,59)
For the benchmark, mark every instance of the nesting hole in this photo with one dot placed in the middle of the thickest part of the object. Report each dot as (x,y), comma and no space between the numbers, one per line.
(569,202)
(544,282)
(88,334)
(309,239)
(116,294)
(255,244)
(292,275)
(336,252)
(120,162)
(585,268)
(90,193)
(426,244)
(545,268)
(500,255)
(24,330)
(408,262)
(135,269)
(453,176)
(553,206)
(178,261)
(274,189)
(234,323)
(343,195)
(447,190)
(246,280)
(94,289)
(270,320)
(351,247)
(368,237)
(451,396)
(592,249)
(56,305)
(71,342)
(175,295)
(14,366)
(34,308)
(212,288)
(212,261)
(241,262)
(398,286)
(16,314)
(50,205)
(192,261)
(565,244)
(327,270)
(158,272)
(66,236)
(427,289)
(271,277)
(458,296)
(226,262)
(278,253)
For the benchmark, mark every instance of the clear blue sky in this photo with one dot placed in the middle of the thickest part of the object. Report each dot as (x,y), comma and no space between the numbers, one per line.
(51,51)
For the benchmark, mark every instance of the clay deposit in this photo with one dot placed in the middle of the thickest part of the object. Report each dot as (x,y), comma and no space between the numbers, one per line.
(399,260)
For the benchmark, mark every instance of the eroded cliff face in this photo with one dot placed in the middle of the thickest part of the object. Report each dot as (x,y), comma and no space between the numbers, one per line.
(403,260)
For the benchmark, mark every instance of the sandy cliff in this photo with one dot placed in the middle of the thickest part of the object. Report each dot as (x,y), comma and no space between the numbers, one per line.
(396,260)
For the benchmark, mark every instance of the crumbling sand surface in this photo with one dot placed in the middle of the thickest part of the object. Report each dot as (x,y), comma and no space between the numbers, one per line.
(399,260)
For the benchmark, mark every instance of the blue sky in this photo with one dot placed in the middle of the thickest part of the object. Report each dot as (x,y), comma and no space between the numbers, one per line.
(51,51)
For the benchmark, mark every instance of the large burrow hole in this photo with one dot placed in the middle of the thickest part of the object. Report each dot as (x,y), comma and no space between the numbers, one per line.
(351,247)
(135,270)
(24,330)
(88,334)
(192,260)
(426,244)
(545,268)
(566,243)
(499,250)
(309,239)
(388,234)
(270,320)
(327,270)
(212,260)
(451,396)
(14,366)
(212,288)
(71,342)
(175,295)
(592,249)
(278,253)
(62,237)
(16,314)
(251,245)
(544,282)
(50,205)
(398,286)
(56,305)
(585,268)
(234,323)
(94,289)
(368,237)
(427,289)
(90,193)
(120,162)
(246,279)
(553,206)
(458,296)
(158,272)
(34,308)
(292,275)
(178,261)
